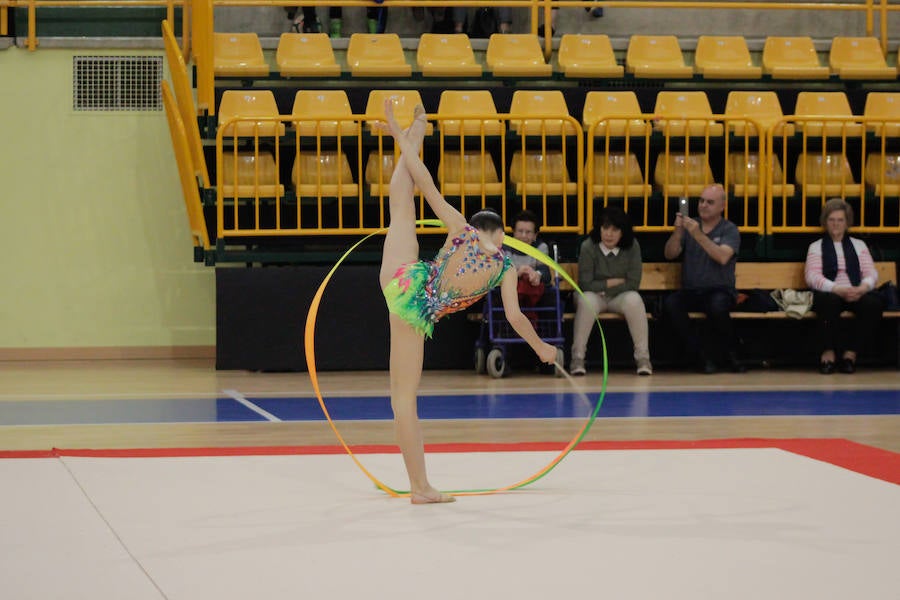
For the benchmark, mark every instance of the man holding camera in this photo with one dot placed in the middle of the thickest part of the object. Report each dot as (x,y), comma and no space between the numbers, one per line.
(708,246)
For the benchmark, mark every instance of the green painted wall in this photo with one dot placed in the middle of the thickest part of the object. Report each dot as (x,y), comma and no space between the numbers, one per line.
(94,242)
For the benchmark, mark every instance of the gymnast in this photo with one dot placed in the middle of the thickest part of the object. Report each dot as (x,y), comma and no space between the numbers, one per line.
(418,293)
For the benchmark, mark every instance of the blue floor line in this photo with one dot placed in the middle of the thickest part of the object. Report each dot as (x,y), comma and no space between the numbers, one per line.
(458,406)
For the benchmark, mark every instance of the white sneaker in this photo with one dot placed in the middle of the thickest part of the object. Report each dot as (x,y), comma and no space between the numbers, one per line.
(644,367)
(577,367)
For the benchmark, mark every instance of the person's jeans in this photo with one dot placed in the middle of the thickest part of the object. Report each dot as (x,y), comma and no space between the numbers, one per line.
(716,303)
(854,335)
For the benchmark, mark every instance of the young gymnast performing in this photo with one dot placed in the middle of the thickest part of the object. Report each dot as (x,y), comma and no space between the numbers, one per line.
(418,293)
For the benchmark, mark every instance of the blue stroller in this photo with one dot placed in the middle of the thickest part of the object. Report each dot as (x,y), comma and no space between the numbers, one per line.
(496,332)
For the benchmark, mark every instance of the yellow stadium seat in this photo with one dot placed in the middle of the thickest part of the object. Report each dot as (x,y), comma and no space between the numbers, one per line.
(249,174)
(826,175)
(682,175)
(859,58)
(656,57)
(762,107)
(250,104)
(462,103)
(321,104)
(886,107)
(379,171)
(306,55)
(238,55)
(724,57)
(618,176)
(534,173)
(792,58)
(825,104)
(516,55)
(446,55)
(743,175)
(323,174)
(540,105)
(601,105)
(588,56)
(685,113)
(405,102)
(883,174)
(470,174)
(377,55)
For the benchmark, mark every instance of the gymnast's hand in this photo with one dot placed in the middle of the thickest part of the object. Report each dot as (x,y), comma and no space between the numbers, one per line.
(546,353)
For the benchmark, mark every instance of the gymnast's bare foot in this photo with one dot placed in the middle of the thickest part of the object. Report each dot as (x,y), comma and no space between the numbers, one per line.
(430,496)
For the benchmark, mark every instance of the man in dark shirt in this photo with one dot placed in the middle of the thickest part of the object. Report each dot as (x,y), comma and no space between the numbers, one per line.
(708,247)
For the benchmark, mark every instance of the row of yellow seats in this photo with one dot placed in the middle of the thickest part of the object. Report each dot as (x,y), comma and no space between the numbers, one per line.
(328,173)
(579,56)
(616,175)
(677,112)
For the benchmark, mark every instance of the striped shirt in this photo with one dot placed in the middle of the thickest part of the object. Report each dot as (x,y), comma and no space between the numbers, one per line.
(817,281)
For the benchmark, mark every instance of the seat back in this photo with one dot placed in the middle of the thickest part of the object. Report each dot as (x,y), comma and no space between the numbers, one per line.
(582,55)
(826,174)
(250,174)
(792,57)
(405,102)
(883,173)
(469,173)
(539,173)
(321,104)
(685,113)
(743,175)
(248,104)
(763,107)
(446,55)
(516,55)
(540,104)
(859,58)
(682,174)
(724,57)
(306,55)
(238,55)
(324,173)
(461,103)
(619,175)
(377,55)
(656,56)
(886,106)
(598,105)
(827,104)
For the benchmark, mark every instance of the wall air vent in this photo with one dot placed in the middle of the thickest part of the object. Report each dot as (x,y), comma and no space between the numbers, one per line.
(116,83)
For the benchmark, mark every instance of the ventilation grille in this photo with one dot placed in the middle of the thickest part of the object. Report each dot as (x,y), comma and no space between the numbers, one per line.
(116,83)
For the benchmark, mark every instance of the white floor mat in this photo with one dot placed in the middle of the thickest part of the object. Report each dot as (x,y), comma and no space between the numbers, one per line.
(735,523)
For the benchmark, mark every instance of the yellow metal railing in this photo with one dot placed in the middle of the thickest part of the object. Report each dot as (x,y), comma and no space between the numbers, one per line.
(832,159)
(685,151)
(328,199)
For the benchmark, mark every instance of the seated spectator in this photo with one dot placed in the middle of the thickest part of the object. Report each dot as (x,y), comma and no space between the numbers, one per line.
(841,273)
(609,273)
(533,275)
(709,246)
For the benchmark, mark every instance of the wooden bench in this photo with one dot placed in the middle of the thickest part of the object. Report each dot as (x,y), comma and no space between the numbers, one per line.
(666,276)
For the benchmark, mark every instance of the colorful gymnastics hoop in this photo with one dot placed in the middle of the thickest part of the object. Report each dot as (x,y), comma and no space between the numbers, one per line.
(309,347)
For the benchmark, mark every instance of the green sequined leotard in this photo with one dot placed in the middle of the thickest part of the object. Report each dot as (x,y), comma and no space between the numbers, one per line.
(424,291)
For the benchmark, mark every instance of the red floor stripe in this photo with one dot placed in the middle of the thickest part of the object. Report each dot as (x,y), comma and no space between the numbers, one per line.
(867,460)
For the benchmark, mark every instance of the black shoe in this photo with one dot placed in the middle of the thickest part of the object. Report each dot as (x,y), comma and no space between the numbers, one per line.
(847,365)
(826,367)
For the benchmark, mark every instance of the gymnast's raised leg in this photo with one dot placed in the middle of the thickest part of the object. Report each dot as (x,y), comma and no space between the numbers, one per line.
(407,345)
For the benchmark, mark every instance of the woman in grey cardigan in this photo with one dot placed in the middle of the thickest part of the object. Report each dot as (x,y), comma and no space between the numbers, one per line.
(609,272)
